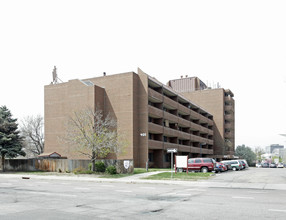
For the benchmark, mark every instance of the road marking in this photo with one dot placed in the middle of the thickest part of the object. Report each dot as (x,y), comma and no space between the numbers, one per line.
(242,197)
(201,190)
(81,188)
(51,194)
(276,210)
(107,185)
(184,194)
(125,191)
(170,194)
(147,187)
(257,192)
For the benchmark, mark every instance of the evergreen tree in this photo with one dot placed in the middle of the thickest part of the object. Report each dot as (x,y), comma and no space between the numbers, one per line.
(10,140)
(245,153)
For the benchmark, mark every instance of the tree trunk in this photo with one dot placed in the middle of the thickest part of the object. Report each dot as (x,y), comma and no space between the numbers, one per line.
(3,162)
(93,161)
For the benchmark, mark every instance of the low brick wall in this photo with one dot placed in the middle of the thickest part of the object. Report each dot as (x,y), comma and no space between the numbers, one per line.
(61,165)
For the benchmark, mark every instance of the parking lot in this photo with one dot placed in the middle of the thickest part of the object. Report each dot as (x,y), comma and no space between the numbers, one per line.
(253,175)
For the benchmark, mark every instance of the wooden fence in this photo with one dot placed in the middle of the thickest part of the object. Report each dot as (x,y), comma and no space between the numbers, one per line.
(60,165)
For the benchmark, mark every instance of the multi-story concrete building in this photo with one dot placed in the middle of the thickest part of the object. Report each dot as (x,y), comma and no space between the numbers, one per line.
(270,149)
(152,116)
(220,103)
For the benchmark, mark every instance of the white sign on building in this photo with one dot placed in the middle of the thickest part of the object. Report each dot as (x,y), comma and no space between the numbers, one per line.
(126,164)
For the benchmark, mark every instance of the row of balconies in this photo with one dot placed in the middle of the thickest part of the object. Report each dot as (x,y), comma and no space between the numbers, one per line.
(229,117)
(166,100)
(158,113)
(229,99)
(229,135)
(229,126)
(156,145)
(229,108)
(158,129)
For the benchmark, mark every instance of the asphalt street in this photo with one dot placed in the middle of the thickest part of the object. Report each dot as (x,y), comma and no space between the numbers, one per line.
(90,198)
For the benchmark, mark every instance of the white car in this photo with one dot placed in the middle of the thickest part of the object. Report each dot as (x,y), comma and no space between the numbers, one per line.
(280,165)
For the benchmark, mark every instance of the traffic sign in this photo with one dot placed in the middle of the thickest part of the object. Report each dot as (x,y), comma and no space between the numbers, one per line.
(172,150)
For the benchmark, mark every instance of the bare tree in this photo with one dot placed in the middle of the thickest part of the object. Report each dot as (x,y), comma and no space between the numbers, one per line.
(32,130)
(259,152)
(93,135)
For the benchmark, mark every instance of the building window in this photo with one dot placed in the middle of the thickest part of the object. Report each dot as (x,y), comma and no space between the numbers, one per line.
(165,139)
(151,157)
(167,157)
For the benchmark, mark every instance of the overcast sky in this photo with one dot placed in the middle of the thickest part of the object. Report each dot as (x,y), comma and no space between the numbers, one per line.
(239,44)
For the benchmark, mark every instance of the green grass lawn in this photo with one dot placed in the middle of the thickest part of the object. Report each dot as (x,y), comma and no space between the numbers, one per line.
(136,171)
(161,176)
(180,176)
(143,170)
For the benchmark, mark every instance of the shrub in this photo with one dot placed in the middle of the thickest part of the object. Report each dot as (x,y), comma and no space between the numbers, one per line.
(84,172)
(90,166)
(99,166)
(111,170)
(78,170)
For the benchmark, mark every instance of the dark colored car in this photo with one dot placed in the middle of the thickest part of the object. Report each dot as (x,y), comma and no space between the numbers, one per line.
(227,164)
(220,167)
(201,164)
(265,165)
(224,167)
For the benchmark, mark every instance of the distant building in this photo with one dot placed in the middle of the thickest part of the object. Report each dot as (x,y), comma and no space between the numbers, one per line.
(270,149)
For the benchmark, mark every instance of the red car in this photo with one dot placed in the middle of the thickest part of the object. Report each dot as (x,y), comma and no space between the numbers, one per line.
(201,164)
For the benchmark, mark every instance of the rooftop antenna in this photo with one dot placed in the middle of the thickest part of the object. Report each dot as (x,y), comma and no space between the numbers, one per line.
(55,76)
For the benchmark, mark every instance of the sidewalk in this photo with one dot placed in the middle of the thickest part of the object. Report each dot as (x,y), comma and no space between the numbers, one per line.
(137,179)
